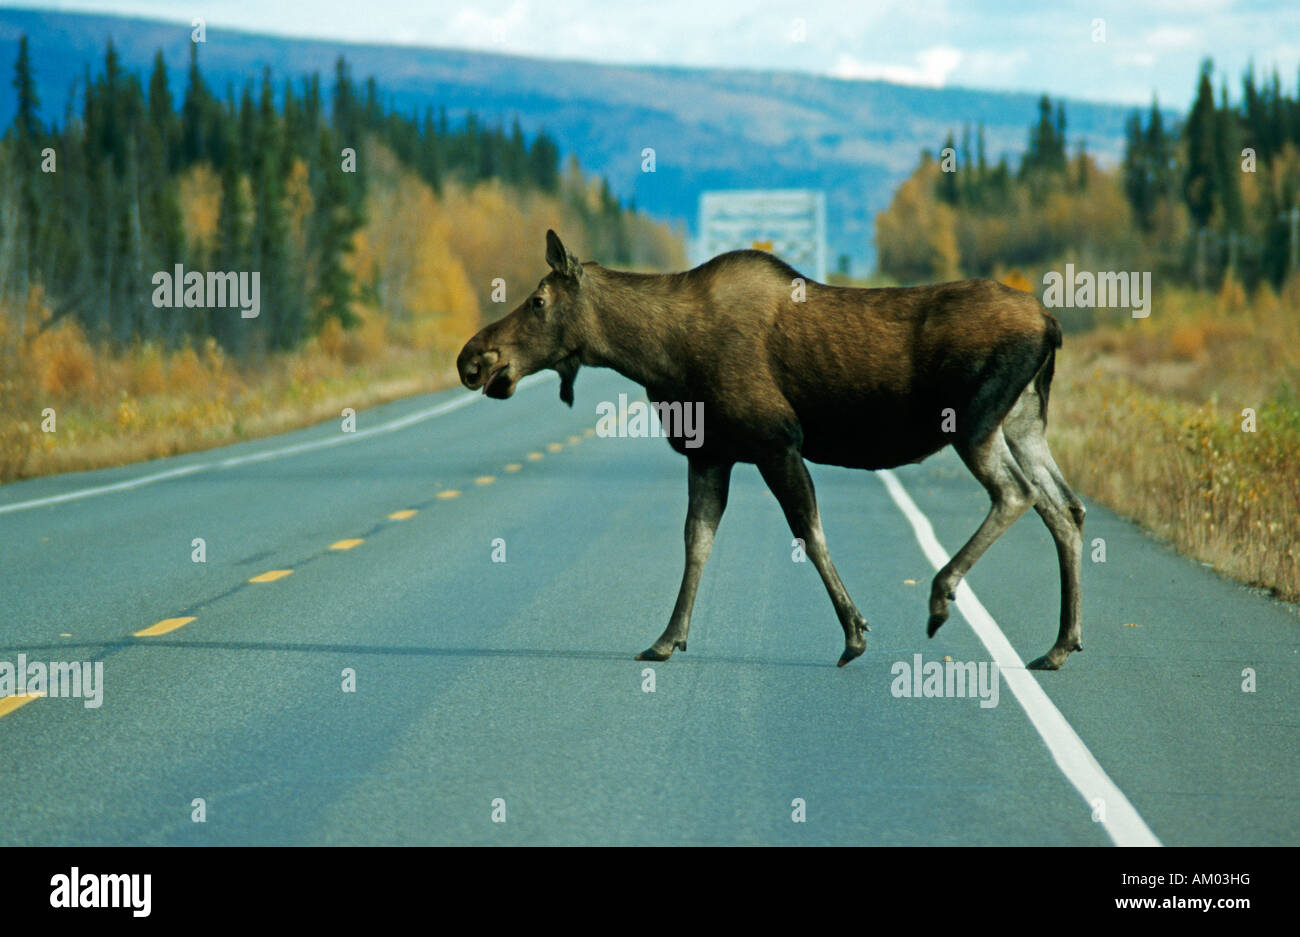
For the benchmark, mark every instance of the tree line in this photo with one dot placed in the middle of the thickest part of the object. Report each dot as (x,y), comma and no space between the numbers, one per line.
(1234,167)
(1197,200)
(93,206)
(1045,164)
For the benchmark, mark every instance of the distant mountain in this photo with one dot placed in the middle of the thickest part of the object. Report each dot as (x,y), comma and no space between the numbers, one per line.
(710,128)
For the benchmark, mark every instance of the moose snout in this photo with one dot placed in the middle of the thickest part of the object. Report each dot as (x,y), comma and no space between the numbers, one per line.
(474,363)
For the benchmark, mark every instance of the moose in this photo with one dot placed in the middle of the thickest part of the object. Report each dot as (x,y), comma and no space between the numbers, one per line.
(788,370)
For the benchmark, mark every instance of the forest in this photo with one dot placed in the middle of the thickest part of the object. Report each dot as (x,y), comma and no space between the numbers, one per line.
(1193,201)
(377,238)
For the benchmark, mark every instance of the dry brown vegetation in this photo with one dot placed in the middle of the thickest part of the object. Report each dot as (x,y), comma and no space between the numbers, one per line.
(1147,417)
(145,403)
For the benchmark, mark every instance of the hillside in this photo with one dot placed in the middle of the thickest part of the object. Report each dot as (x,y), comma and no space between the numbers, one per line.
(710,128)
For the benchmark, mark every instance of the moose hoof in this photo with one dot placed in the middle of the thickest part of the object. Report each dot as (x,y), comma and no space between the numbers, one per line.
(935,622)
(851,651)
(654,653)
(1052,660)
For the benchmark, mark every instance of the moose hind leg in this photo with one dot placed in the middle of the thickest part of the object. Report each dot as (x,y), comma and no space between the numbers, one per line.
(1062,512)
(788,477)
(707,484)
(1012,493)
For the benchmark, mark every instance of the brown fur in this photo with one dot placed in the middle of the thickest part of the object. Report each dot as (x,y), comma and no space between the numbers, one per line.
(863,378)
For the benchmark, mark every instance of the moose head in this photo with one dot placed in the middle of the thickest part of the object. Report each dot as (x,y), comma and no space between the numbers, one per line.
(547,330)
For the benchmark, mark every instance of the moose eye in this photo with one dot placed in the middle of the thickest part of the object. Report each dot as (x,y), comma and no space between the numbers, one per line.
(538,303)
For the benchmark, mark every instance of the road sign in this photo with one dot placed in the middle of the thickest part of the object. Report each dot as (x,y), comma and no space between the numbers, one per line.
(790,223)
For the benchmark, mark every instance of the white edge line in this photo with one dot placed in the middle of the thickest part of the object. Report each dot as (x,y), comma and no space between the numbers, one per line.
(103,489)
(1120,819)
(400,423)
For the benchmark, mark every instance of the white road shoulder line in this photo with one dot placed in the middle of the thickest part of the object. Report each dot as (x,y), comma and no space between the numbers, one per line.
(103,489)
(400,423)
(1120,819)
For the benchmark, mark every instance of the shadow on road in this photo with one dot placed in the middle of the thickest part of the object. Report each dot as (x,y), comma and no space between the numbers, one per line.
(400,651)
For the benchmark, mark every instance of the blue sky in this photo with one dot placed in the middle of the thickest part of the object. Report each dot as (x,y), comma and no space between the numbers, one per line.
(1149,45)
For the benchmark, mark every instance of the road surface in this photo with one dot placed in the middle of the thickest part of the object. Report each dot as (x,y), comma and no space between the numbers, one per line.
(507,691)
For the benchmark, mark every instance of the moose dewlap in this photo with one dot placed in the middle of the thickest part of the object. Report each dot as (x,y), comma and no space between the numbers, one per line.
(789,369)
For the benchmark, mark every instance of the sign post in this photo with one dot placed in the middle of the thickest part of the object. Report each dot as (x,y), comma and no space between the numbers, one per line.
(790,223)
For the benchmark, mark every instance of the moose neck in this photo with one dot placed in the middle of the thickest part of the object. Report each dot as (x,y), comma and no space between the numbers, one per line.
(635,318)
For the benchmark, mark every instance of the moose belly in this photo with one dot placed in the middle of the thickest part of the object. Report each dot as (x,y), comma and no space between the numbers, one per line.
(863,438)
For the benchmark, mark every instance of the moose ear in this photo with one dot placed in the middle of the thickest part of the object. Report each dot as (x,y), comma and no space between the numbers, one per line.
(556,255)
(567,368)
(559,259)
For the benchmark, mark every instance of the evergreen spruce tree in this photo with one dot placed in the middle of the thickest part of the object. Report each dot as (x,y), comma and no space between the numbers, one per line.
(27,122)
(234,242)
(336,224)
(1227,174)
(1201,164)
(1159,156)
(1136,173)
(544,163)
(194,113)
(1255,117)
(281,324)
(162,115)
(27,139)
(948,180)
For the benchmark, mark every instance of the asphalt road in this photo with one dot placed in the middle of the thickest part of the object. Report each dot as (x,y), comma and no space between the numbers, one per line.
(478,680)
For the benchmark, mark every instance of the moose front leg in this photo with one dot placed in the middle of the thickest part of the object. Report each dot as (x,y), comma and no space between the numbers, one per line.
(789,480)
(707,484)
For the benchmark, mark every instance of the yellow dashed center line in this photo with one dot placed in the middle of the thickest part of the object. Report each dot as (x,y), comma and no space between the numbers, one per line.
(10,703)
(164,626)
(589,432)
(271,575)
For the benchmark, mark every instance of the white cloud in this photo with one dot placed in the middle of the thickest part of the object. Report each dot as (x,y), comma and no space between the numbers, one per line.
(1138,59)
(472,24)
(1173,37)
(932,68)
